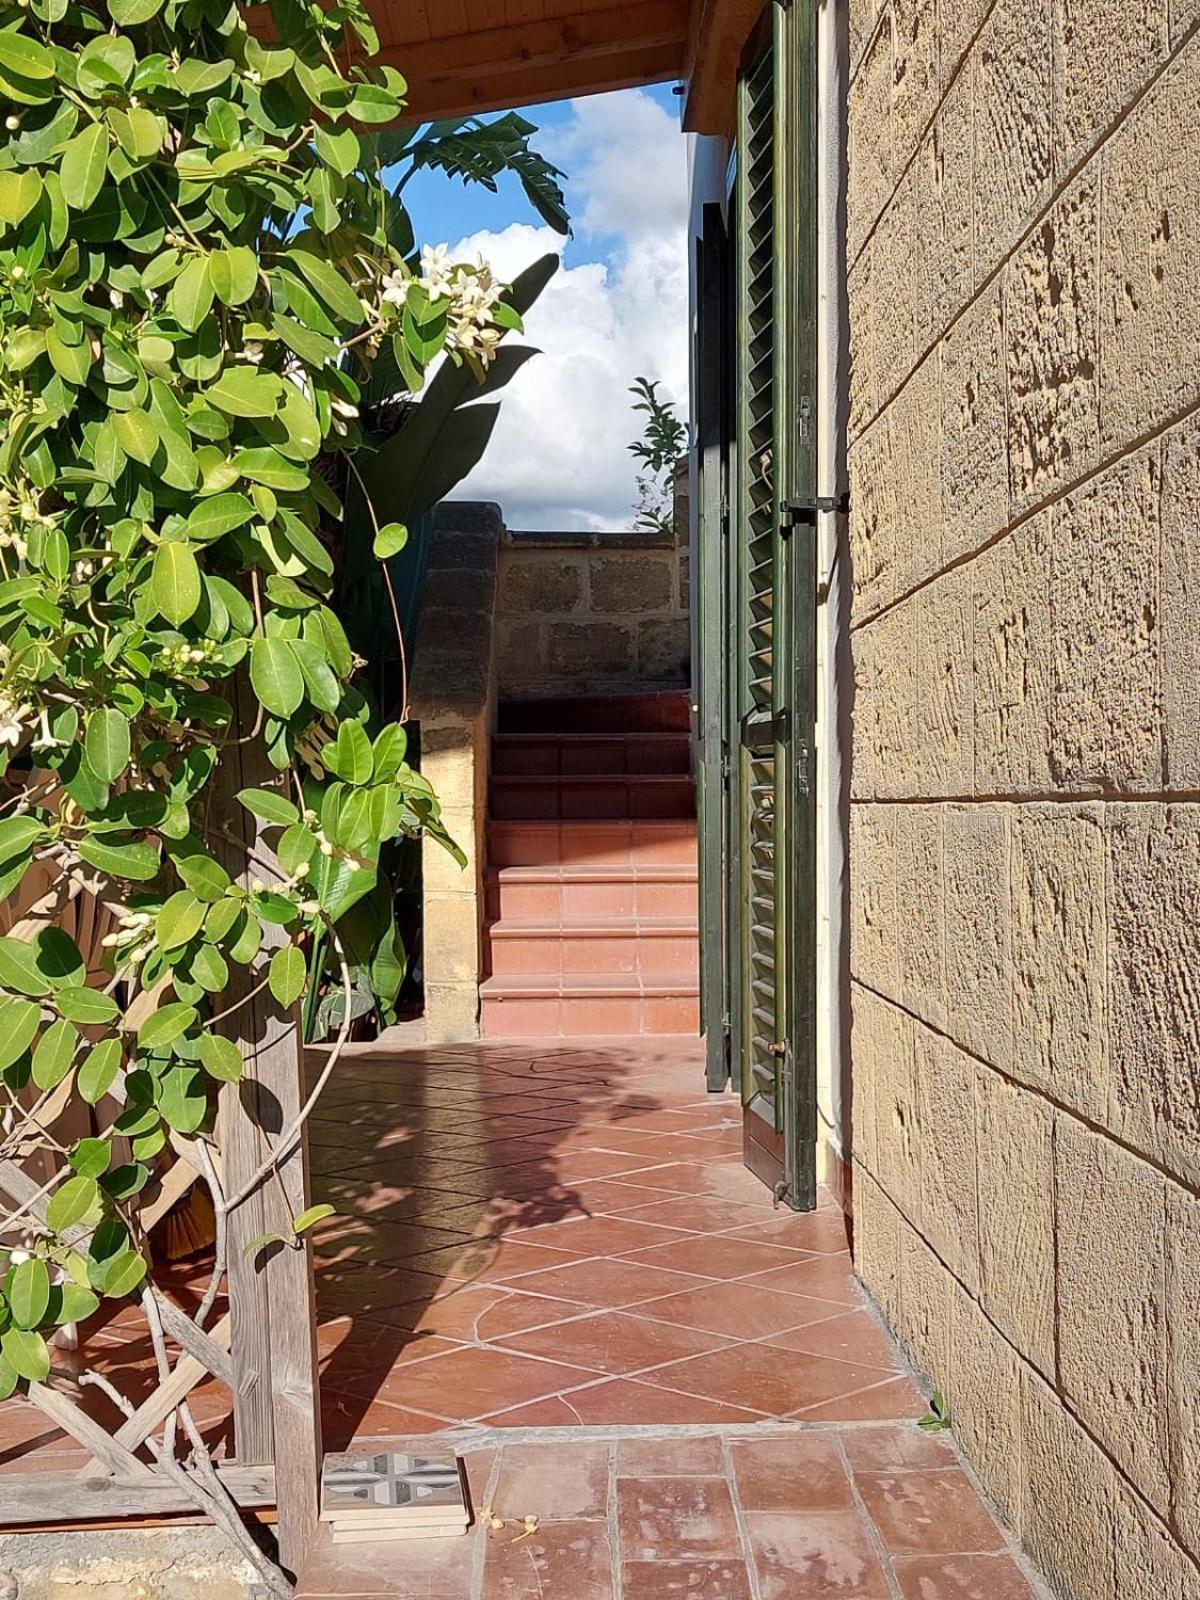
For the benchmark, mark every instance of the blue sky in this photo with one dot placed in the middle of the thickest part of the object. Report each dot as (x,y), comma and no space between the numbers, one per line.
(617,309)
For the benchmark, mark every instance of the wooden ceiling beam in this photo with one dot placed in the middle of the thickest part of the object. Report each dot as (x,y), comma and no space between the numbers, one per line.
(718,35)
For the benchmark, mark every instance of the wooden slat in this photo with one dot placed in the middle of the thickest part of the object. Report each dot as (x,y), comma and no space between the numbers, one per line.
(32,1499)
(89,1433)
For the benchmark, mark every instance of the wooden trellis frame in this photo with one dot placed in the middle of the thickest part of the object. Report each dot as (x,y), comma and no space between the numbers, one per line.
(264,1348)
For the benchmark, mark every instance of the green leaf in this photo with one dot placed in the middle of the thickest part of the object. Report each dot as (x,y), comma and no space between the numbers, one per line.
(18,1025)
(71,1302)
(59,959)
(136,434)
(164,1026)
(339,148)
(28,1290)
(268,806)
(88,1007)
(132,13)
(9,1377)
(19,969)
(183,1102)
(106,744)
(76,1201)
(17,834)
(122,1274)
(99,1071)
(221,1058)
(54,1054)
(137,860)
(175,586)
(25,56)
(204,877)
(246,392)
(191,295)
(309,1218)
(180,920)
(26,1353)
(391,747)
(349,757)
(234,274)
(83,166)
(329,284)
(275,676)
(211,519)
(19,193)
(91,1157)
(287,975)
(71,361)
(390,540)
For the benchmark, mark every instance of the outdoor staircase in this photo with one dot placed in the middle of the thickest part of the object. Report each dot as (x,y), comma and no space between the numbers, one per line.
(592,890)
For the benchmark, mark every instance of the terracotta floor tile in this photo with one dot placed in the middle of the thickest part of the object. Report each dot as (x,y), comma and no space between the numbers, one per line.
(360,1290)
(622,1401)
(489,1260)
(675,1519)
(517,1313)
(611,1284)
(697,1214)
(685,1580)
(346,1417)
(475,1381)
(599,1236)
(738,1309)
(928,1510)
(854,1336)
(821,1232)
(478,1466)
(897,1399)
(716,1255)
(614,1342)
(802,1472)
(889,1447)
(764,1378)
(571,1559)
(610,1197)
(670,1458)
(552,1412)
(432,1569)
(823,1278)
(824,1556)
(553,1481)
(961,1578)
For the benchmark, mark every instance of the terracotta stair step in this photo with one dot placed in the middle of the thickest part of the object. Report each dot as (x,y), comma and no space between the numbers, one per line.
(591,754)
(668,712)
(576,797)
(618,946)
(585,894)
(618,843)
(538,1006)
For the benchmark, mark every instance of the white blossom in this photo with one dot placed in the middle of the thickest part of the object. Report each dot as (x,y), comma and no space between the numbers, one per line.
(13,716)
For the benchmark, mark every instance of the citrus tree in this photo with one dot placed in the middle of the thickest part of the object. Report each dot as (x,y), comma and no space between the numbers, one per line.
(199,262)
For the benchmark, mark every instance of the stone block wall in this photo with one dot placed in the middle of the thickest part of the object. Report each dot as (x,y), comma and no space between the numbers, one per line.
(1024,294)
(594,613)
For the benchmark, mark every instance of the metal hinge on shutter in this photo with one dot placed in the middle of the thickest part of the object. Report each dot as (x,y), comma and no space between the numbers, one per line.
(803,513)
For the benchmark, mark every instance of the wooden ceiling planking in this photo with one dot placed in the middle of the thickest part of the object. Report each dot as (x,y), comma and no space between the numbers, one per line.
(719,31)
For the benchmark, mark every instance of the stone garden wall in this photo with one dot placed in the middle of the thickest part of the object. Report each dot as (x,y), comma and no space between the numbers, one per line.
(1024,240)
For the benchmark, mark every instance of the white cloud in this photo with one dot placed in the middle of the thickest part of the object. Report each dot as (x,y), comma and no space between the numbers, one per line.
(560,457)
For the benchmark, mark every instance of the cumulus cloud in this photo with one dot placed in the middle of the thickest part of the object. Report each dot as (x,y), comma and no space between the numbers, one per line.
(618,310)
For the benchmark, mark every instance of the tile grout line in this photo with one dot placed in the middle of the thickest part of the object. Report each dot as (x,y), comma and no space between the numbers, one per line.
(479,1554)
(874,1538)
(614,1524)
(743,1525)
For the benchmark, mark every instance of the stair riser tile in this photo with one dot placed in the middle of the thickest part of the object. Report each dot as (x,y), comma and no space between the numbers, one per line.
(666,899)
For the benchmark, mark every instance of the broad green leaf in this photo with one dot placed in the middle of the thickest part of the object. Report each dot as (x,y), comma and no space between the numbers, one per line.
(329,284)
(349,757)
(71,1302)
(390,749)
(91,1157)
(19,193)
(275,676)
(122,1274)
(59,959)
(9,1377)
(99,1070)
(136,434)
(180,920)
(309,1218)
(132,13)
(17,834)
(191,296)
(54,1053)
(221,1058)
(339,148)
(268,806)
(18,1026)
(28,1290)
(208,968)
(234,274)
(106,744)
(26,1353)
(19,969)
(75,1202)
(137,860)
(83,166)
(88,1007)
(390,540)
(139,132)
(211,519)
(175,586)
(287,974)
(166,1025)
(25,56)
(204,877)
(183,1102)
(71,361)
(246,392)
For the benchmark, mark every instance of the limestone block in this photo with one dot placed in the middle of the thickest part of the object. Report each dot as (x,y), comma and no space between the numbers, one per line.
(945,1080)
(957,26)
(1052,318)
(983,1393)
(450,941)
(1181,14)
(948,200)
(915,420)
(1183,1298)
(664,651)
(921,926)
(1180,506)
(1060,930)
(914,73)
(1106,720)
(628,582)
(575,649)
(871,158)
(450,755)
(867,767)
(873,519)
(863,384)
(451,1012)
(1153,957)
(863,15)
(520,654)
(897,642)
(925,1328)
(974,463)
(945,744)
(877,1245)
(891,1076)
(1112,1299)
(873,907)
(1149,1565)
(895,245)
(1150,258)
(1067,1494)
(1104,53)
(874,1033)
(1013,100)
(1013,662)
(1015,1152)
(978,930)
(538,581)
(441,872)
